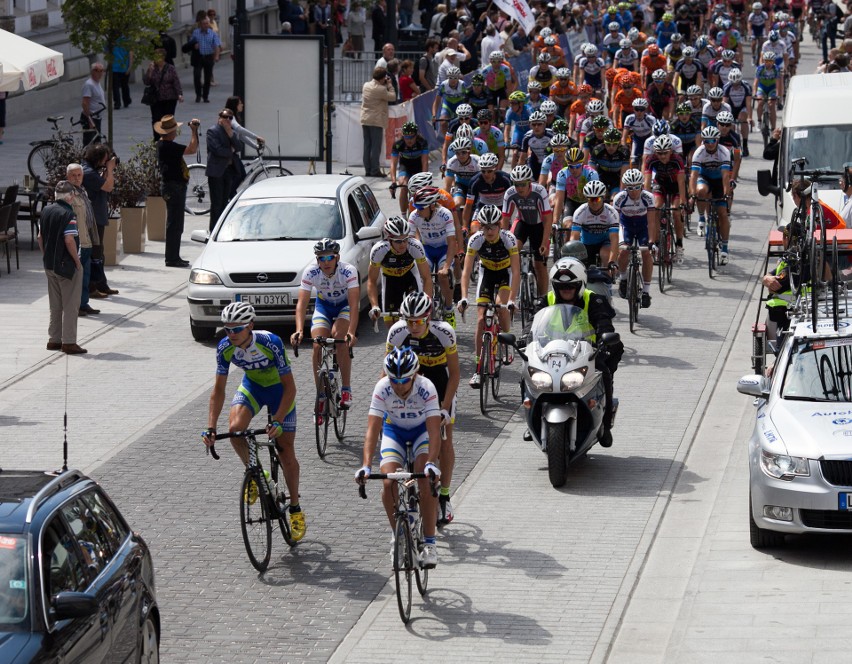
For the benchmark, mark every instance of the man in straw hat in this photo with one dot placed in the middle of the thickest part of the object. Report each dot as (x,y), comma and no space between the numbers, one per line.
(175,176)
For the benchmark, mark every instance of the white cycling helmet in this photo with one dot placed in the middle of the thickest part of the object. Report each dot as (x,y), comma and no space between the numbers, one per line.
(489,215)
(416,305)
(461,144)
(735,76)
(464,131)
(590,50)
(594,107)
(398,227)
(522,173)
(594,189)
(548,107)
(488,160)
(420,180)
(625,43)
(714,94)
(632,177)
(496,56)
(710,133)
(238,312)
(663,143)
(659,75)
(725,117)
(537,116)
(693,90)
(464,110)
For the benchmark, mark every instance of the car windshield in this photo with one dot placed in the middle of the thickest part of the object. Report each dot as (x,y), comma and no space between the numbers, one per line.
(282,219)
(819,370)
(559,322)
(824,146)
(14,596)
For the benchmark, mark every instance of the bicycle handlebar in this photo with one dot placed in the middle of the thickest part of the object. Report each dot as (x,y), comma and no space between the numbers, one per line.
(384,314)
(232,434)
(399,476)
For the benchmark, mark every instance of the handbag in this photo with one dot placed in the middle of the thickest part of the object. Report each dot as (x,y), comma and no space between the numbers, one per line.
(149,95)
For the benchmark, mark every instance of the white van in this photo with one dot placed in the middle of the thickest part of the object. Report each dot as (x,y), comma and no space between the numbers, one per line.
(817,124)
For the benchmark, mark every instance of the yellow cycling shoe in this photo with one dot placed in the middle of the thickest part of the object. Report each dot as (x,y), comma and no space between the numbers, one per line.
(297,525)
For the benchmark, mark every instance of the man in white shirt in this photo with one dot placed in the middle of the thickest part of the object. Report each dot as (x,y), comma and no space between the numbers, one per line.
(492,41)
(388,52)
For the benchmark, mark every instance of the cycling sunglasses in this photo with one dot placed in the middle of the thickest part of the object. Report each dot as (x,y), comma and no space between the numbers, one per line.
(326,259)
(635,187)
(595,199)
(402,240)
(401,381)
(416,321)
(235,330)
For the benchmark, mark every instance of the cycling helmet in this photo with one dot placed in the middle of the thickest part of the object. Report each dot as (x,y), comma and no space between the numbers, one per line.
(633,34)
(613,27)
(461,144)
(496,56)
(545,33)
(715,93)
(612,135)
(518,96)
(454,72)
(594,189)
(640,103)
(654,50)
(701,43)
(426,196)
(632,177)
(550,41)
(683,10)
(726,23)
(563,72)
(522,173)
(488,160)
(590,50)
(560,126)
(548,107)
(585,89)
(689,52)
(409,129)
(625,43)
(661,127)
(710,133)
(485,115)
(768,56)
(489,215)
(659,76)
(774,36)
(612,9)
(533,85)
(757,7)
(418,181)
(719,22)
(728,54)
(558,141)
(735,76)
(569,272)
(677,38)
(663,143)
(477,79)
(401,362)
(682,109)
(327,246)
(600,122)
(575,156)
(693,91)
(464,110)
(651,41)
(464,131)
(537,116)
(725,118)
(416,305)
(238,312)
(595,107)
(668,16)
(396,226)
(574,249)
(544,56)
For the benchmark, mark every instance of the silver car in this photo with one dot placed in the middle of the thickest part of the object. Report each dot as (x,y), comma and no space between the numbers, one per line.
(264,240)
(800,453)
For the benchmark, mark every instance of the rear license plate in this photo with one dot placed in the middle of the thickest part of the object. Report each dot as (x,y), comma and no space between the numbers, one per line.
(265,299)
(845,501)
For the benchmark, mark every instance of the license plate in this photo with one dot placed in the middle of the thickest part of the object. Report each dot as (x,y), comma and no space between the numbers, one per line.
(265,299)
(845,501)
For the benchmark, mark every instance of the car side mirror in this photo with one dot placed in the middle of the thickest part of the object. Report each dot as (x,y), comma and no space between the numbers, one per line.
(765,186)
(201,236)
(754,385)
(610,338)
(368,233)
(70,605)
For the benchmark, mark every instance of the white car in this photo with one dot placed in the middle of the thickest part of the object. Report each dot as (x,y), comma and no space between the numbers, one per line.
(265,238)
(800,452)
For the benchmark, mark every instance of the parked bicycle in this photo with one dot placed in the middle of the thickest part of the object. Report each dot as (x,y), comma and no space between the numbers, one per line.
(263,501)
(40,161)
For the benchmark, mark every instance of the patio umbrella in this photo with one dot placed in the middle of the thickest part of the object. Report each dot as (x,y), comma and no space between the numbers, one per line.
(25,62)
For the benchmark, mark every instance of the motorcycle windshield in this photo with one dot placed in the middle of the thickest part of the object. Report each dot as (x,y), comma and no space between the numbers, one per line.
(559,322)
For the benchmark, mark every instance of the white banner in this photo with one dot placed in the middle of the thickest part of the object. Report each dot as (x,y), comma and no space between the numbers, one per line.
(519,10)
(348,139)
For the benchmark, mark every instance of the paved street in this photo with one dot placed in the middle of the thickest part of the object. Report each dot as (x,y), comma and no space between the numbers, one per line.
(642,556)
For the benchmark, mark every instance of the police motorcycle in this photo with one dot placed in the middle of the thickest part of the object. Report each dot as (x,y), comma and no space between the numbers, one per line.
(564,394)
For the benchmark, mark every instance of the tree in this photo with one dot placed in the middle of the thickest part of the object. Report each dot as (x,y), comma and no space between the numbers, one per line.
(97,26)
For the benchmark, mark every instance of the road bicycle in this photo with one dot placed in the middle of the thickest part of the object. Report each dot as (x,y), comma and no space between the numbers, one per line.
(492,355)
(408,536)
(712,241)
(439,305)
(329,389)
(528,288)
(635,282)
(667,251)
(261,167)
(263,501)
(42,157)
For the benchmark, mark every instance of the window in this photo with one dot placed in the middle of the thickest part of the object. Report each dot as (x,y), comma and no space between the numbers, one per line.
(111,530)
(355,212)
(372,202)
(13,582)
(63,567)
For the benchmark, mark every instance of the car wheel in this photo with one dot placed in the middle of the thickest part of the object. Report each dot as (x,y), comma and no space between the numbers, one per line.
(200,332)
(150,653)
(761,538)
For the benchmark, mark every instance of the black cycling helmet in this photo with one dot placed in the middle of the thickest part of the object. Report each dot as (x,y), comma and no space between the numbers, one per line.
(574,249)
(409,129)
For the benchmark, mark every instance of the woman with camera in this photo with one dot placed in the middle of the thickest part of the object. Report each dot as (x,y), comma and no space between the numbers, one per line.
(175,176)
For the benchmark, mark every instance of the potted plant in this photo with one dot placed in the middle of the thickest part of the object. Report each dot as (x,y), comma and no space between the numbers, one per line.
(155,206)
(128,195)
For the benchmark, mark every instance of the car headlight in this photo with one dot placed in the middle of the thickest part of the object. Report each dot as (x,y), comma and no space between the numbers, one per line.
(573,379)
(204,277)
(784,467)
(541,380)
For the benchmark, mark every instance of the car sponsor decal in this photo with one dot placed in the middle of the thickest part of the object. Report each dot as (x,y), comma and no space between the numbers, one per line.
(830,413)
(7,542)
(770,435)
(841,421)
(843,432)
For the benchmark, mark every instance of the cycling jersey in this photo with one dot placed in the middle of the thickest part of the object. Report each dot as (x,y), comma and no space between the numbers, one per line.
(708,113)
(595,227)
(688,71)
(611,41)
(664,32)
(686,132)
(722,70)
(586,127)
(478,100)
(463,173)
(521,121)
(591,68)
(659,98)
(435,230)
(530,209)
(551,166)
(446,201)
(728,39)
(410,155)
(495,255)
(609,165)
(757,21)
(665,175)
(633,216)
(451,96)
(778,48)
(333,289)
(648,148)
(710,165)
(737,94)
(409,413)
(626,58)
(639,127)
(767,79)
(493,139)
(264,361)
(496,79)
(454,125)
(481,193)
(732,141)
(544,74)
(706,55)
(432,349)
(673,56)
(480,147)
(398,265)
(573,185)
(536,144)
(562,92)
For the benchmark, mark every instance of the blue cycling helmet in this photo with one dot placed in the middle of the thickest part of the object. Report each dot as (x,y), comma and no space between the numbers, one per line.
(401,362)
(661,127)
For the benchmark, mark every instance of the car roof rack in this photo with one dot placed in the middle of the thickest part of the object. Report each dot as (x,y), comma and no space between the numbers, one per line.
(50,489)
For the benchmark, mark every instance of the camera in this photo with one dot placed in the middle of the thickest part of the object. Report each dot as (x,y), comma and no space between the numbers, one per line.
(195,123)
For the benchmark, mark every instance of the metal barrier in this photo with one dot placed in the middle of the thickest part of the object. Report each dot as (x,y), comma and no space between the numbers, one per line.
(352,73)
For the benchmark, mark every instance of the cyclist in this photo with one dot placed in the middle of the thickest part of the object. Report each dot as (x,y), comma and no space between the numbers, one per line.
(687,129)
(535,142)
(409,155)
(400,260)
(612,40)
(610,160)
(529,201)
(661,128)
(405,409)
(674,54)
(268,381)
(518,122)
(778,47)
(549,108)
(336,310)
(491,135)
(738,96)
(477,94)
(557,56)
(651,62)
(451,93)
(543,72)
(696,102)
(563,91)
(464,118)
(715,105)
(426,179)
(757,20)
(706,52)
(665,30)
(626,56)
(688,71)
(665,175)
(710,176)
(589,68)
(768,87)
(570,182)
(577,110)
(596,224)
(594,109)
(486,188)
(730,139)
(434,343)
(661,95)
(633,205)
(437,233)
(600,125)
(554,162)
(622,102)
(499,272)
(535,98)
(637,127)
(478,146)
(500,80)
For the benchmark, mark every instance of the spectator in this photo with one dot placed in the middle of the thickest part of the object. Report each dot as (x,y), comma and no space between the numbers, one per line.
(427,65)
(174,177)
(406,13)
(357,26)
(393,73)
(492,41)
(322,16)
(87,230)
(214,26)
(98,181)
(208,46)
(122,64)
(407,87)
(59,244)
(168,44)
(388,51)
(286,28)
(236,106)
(379,18)
(436,25)
(94,103)
(375,97)
(223,148)
(163,77)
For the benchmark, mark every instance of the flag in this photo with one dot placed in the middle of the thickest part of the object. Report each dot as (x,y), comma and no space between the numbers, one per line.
(520,11)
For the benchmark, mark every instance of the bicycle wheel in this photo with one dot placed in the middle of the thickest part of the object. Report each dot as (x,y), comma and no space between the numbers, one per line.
(37,162)
(282,504)
(197,191)
(710,245)
(525,301)
(495,374)
(671,254)
(255,521)
(421,574)
(437,300)
(484,375)
(632,310)
(322,429)
(270,172)
(340,418)
(403,565)
(662,253)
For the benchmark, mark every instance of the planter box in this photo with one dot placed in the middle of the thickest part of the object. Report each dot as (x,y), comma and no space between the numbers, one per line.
(133,230)
(111,248)
(155,218)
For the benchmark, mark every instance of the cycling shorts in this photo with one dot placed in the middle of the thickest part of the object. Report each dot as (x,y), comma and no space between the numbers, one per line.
(460,191)
(570,207)
(757,30)
(593,250)
(406,168)
(634,228)
(440,377)
(663,188)
(717,190)
(448,110)
(254,397)
(491,282)
(325,313)
(395,289)
(796,12)
(435,255)
(637,149)
(517,138)
(768,91)
(394,444)
(738,10)
(535,234)
(496,96)
(736,110)
(611,180)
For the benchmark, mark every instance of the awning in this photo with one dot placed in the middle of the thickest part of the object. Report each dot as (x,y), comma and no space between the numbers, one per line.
(25,62)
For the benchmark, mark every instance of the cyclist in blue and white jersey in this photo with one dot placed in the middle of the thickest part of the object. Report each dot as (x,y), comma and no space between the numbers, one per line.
(612,40)
(338,304)
(719,70)
(661,128)
(715,105)
(478,146)
(710,177)
(527,203)
(535,98)
(738,96)
(706,53)
(451,93)
(626,57)
(460,170)
(589,69)
(405,409)
(768,87)
(268,381)
(535,143)
(487,188)
(638,126)
(778,47)
(517,123)
(596,224)
(757,24)
(632,204)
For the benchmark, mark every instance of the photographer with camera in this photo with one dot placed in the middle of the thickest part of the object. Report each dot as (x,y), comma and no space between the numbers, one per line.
(175,176)
(376,94)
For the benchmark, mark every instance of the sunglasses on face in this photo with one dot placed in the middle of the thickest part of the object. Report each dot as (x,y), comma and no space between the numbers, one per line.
(560,149)
(401,381)
(488,170)
(724,124)
(575,166)
(664,153)
(710,141)
(488,227)
(417,321)
(635,187)
(235,330)
(402,240)
(522,184)
(325,259)
(536,124)
(595,199)
(226,116)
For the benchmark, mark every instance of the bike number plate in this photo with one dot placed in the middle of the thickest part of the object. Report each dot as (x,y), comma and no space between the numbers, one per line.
(264,299)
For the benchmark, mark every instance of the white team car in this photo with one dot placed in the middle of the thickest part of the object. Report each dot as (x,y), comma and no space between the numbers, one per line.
(800,452)
(264,240)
